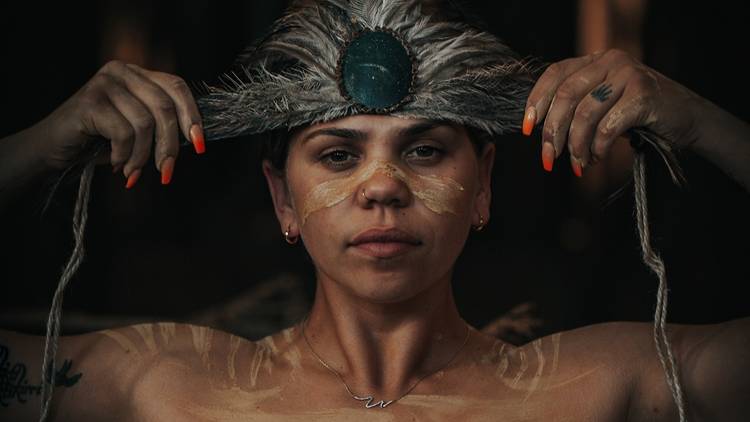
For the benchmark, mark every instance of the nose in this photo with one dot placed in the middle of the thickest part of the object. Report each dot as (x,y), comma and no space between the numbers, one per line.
(384,189)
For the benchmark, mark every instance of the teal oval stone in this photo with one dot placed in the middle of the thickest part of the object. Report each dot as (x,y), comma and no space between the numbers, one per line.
(376,70)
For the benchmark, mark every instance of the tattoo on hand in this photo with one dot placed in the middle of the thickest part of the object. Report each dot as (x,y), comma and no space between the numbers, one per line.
(14,385)
(602,92)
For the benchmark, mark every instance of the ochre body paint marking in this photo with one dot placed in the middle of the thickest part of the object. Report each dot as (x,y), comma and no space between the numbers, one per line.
(146,331)
(234,346)
(168,331)
(202,337)
(439,194)
(124,342)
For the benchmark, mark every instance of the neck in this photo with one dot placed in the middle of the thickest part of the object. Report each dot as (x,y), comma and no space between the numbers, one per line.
(382,349)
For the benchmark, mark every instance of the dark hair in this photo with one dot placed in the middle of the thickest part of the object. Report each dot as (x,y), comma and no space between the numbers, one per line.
(275,146)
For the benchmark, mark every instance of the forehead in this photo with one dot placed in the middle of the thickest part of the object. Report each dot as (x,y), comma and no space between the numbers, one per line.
(374,126)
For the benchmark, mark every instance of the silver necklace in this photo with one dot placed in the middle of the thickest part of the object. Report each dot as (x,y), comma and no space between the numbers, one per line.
(369,399)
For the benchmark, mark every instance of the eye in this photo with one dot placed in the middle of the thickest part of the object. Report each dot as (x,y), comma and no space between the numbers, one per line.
(337,158)
(425,153)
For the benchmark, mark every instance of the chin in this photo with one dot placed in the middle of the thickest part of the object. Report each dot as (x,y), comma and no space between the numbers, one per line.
(387,286)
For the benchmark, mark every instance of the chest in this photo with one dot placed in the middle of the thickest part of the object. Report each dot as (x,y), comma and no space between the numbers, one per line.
(474,398)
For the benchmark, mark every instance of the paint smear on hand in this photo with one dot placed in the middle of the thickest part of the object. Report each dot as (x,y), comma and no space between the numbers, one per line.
(439,194)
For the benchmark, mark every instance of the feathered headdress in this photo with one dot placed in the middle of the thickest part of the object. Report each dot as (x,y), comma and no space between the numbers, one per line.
(334,58)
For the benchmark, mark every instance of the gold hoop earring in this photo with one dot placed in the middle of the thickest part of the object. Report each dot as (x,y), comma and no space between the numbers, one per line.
(291,241)
(481,224)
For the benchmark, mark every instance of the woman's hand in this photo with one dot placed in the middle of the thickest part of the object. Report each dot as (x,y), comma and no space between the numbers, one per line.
(588,102)
(132,108)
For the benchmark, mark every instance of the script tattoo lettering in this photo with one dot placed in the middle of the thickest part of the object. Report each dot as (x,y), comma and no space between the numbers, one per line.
(602,93)
(14,385)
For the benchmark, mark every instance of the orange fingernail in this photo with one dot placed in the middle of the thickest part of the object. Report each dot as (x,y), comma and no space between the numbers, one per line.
(196,135)
(167,167)
(548,155)
(576,165)
(133,178)
(529,120)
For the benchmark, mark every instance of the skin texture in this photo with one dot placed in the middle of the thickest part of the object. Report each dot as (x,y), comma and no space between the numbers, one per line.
(382,323)
(280,380)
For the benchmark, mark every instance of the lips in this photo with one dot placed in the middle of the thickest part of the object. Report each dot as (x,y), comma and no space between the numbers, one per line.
(385,243)
(389,235)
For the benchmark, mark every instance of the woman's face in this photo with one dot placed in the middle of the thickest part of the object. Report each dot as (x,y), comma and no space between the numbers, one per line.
(419,177)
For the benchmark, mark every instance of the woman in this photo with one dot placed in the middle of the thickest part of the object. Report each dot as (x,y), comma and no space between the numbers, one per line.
(384,205)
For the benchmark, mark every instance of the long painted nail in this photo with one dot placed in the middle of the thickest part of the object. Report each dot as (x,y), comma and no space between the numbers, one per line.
(576,165)
(167,167)
(133,178)
(548,155)
(529,120)
(196,136)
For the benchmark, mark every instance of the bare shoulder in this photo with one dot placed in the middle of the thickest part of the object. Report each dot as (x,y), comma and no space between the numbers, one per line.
(628,349)
(155,347)
(591,372)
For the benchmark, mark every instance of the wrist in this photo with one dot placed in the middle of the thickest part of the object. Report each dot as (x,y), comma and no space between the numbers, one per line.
(23,158)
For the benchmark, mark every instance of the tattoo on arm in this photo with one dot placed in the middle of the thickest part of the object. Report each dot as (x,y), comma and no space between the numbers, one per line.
(14,385)
(602,92)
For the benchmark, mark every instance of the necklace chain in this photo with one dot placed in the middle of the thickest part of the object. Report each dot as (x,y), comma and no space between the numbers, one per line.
(369,399)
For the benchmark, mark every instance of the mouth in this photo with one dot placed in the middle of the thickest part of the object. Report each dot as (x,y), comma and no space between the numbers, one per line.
(385,249)
(385,242)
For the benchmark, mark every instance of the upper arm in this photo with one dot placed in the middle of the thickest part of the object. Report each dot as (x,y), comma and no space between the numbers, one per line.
(97,373)
(714,367)
(80,384)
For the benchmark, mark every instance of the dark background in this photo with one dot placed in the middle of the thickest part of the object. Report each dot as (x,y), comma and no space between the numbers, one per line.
(207,248)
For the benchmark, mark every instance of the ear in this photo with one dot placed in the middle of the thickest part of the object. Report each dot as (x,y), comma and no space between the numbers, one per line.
(484,194)
(283,204)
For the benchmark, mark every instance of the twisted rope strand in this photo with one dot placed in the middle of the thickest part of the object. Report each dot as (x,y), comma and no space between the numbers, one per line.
(80,215)
(652,259)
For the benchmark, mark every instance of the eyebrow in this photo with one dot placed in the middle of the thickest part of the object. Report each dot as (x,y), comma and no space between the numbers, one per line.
(357,135)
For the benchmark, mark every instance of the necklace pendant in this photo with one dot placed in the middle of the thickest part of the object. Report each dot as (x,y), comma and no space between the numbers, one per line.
(382,404)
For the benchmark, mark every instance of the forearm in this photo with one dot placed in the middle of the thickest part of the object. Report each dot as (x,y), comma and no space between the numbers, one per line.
(724,140)
(20,164)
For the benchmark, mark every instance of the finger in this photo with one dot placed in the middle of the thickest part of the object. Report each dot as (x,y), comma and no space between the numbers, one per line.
(589,112)
(629,111)
(187,110)
(567,97)
(109,122)
(140,119)
(160,105)
(541,95)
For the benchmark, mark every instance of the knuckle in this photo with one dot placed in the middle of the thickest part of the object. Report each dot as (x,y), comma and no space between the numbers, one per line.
(178,84)
(599,149)
(603,131)
(584,113)
(566,91)
(164,105)
(144,123)
(124,134)
(100,81)
(113,66)
(616,54)
(553,70)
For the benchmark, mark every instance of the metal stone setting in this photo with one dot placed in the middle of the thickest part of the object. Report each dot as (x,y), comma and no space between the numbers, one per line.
(376,70)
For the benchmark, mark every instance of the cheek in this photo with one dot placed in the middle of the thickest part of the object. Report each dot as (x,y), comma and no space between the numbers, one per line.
(439,194)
